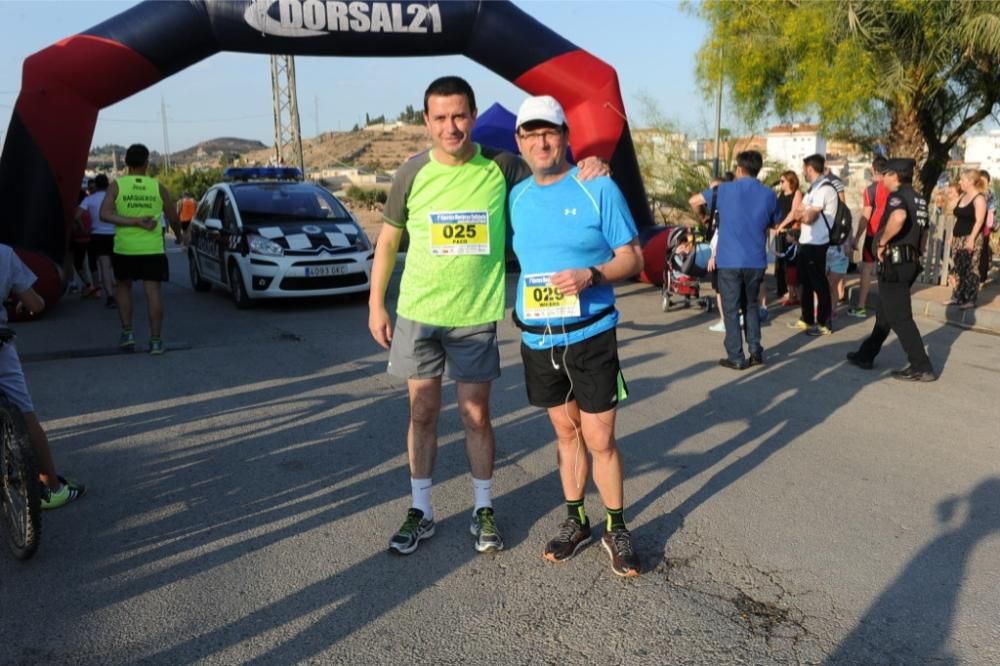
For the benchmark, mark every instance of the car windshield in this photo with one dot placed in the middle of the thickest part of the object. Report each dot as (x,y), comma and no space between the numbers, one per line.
(286,202)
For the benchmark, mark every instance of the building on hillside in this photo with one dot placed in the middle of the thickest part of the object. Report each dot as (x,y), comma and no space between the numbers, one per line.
(698,151)
(982,151)
(790,144)
(844,149)
(730,148)
(659,153)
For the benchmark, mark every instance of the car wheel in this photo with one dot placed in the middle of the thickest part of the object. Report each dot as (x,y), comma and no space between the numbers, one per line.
(198,283)
(237,289)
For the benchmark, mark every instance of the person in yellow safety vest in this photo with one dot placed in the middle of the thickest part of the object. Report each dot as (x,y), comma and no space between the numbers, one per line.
(134,204)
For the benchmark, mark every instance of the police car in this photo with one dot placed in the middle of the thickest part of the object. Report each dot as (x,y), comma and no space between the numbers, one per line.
(264,233)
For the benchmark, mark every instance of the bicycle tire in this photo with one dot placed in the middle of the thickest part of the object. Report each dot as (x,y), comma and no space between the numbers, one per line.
(20,488)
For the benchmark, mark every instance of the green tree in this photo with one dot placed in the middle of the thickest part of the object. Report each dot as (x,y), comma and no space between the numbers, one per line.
(917,74)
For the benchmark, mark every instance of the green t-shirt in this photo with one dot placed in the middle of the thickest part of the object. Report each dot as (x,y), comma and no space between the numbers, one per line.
(139,196)
(457,220)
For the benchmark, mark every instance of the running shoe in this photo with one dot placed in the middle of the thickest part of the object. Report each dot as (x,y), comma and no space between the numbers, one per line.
(484,528)
(573,535)
(414,528)
(111,303)
(818,330)
(618,544)
(126,341)
(155,346)
(799,325)
(69,491)
(718,327)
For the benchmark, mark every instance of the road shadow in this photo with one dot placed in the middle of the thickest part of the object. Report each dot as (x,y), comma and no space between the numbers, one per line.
(752,401)
(911,622)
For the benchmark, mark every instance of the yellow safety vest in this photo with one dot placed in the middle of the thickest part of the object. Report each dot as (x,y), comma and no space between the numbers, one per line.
(139,196)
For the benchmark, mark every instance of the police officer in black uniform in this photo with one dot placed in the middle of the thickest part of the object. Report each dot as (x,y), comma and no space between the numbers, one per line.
(898,243)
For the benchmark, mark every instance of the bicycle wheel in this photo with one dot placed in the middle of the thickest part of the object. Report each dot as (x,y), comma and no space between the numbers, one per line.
(20,489)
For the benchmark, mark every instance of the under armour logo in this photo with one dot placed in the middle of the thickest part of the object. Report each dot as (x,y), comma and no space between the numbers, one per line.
(569,211)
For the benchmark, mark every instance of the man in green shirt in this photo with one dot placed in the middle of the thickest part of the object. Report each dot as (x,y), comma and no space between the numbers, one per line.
(452,202)
(133,204)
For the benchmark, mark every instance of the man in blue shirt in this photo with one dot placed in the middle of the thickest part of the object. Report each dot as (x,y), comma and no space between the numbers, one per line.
(746,209)
(573,238)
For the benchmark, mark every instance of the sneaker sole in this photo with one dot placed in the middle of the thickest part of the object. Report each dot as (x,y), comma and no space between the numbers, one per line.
(402,550)
(631,573)
(552,558)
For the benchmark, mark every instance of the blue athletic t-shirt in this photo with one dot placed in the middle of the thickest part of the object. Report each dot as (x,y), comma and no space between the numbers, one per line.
(746,208)
(568,224)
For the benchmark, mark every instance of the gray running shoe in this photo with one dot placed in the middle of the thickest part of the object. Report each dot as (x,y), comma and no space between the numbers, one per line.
(484,528)
(573,535)
(414,528)
(624,561)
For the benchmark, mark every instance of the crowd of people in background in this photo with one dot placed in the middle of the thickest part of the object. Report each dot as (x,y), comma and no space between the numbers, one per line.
(811,261)
(973,206)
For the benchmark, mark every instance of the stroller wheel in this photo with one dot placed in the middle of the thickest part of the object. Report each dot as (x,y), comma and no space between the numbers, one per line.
(666,304)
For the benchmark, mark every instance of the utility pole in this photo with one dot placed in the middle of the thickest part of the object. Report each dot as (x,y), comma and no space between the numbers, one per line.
(166,142)
(287,133)
(716,172)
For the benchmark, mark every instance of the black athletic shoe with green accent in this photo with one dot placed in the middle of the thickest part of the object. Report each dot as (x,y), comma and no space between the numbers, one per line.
(414,529)
(484,528)
(573,535)
(618,544)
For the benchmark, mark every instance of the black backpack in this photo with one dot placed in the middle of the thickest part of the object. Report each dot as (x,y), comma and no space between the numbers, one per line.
(843,223)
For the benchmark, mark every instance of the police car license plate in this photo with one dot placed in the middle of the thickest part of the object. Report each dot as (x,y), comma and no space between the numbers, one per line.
(323,271)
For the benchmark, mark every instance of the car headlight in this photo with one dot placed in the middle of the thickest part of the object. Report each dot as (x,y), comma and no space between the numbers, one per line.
(261,245)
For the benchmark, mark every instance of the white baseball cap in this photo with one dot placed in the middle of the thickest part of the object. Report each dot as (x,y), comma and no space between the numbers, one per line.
(542,108)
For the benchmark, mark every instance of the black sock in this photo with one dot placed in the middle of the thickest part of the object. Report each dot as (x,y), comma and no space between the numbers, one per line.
(616,519)
(574,508)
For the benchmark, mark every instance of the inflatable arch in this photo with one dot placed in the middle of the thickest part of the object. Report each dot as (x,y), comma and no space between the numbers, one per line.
(48,141)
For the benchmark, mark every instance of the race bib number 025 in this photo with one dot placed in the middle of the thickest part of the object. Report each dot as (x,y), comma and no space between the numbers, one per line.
(543,301)
(455,233)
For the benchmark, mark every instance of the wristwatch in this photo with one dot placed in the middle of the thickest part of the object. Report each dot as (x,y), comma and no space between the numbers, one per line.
(595,276)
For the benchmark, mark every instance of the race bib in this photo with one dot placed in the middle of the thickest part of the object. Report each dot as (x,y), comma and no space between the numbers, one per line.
(455,233)
(543,301)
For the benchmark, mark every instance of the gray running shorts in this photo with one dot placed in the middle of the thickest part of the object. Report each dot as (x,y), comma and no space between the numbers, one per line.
(467,354)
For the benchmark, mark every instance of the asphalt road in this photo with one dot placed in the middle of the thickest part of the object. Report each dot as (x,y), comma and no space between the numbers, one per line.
(244,485)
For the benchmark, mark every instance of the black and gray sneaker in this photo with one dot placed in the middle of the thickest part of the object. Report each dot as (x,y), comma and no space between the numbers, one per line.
(573,535)
(618,543)
(484,528)
(414,528)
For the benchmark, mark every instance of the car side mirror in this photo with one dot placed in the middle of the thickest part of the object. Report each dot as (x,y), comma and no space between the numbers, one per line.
(214,224)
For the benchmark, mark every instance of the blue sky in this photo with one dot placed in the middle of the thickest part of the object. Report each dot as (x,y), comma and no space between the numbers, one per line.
(651,44)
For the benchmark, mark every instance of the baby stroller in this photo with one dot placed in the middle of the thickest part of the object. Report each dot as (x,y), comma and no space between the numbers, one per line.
(686,265)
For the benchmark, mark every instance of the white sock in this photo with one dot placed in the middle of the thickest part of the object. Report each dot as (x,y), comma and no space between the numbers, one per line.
(482,489)
(421,490)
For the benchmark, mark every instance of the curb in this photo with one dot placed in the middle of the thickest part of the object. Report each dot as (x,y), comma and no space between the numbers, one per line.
(983,320)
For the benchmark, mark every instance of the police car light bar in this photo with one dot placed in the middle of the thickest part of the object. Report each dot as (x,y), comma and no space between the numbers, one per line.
(262,173)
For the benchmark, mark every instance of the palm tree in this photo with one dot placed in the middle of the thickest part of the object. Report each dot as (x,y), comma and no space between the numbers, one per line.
(921,74)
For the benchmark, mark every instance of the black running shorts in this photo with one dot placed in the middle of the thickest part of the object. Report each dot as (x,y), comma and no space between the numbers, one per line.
(586,372)
(145,267)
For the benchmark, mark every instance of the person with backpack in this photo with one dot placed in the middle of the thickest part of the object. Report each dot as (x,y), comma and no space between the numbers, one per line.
(821,217)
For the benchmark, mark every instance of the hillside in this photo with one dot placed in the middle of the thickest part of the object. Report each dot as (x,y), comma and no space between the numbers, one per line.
(377,150)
